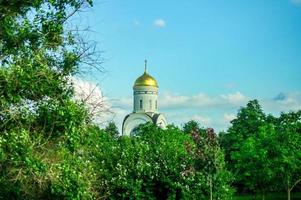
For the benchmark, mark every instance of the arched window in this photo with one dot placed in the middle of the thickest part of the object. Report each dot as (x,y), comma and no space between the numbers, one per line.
(156,104)
(150,104)
(141,104)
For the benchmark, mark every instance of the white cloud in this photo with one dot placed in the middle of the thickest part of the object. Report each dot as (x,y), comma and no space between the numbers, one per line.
(159,23)
(169,100)
(86,89)
(234,98)
(179,118)
(123,102)
(296,2)
(172,100)
(283,102)
(214,111)
(206,121)
(180,109)
(90,93)
(229,117)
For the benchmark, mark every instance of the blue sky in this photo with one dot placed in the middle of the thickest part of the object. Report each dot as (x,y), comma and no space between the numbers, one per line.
(209,57)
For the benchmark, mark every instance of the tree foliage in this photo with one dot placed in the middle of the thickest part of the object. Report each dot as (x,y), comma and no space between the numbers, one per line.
(41,126)
(50,149)
(162,164)
(263,152)
(112,129)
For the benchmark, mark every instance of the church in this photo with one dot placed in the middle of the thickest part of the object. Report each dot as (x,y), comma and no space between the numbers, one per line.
(145,105)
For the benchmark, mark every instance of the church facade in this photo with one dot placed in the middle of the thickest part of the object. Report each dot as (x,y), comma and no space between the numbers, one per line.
(145,105)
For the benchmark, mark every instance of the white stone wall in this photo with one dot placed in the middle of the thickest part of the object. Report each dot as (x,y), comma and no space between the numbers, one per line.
(146,112)
(161,121)
(148,96)
(133,121)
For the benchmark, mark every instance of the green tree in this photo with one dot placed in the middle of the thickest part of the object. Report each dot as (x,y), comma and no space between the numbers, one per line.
(254,162)
(247,124)
(42,127)
(112,129)
(288,150)
(209,161)
(151,165)
(264,152)
(159,164)
(193,125)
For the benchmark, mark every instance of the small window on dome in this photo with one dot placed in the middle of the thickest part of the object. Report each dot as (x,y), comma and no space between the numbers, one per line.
(140,103)
(150,104)
(156,104)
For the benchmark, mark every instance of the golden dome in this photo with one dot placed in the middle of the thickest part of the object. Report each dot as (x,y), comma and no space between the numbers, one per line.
(146,80)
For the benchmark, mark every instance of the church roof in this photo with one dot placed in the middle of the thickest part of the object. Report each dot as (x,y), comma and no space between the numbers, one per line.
(145,80)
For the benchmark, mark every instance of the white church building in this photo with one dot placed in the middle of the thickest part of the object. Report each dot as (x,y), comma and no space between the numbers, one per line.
(145,105)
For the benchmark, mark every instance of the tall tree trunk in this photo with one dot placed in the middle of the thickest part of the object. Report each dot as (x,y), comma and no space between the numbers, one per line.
(289,189)
(263,196)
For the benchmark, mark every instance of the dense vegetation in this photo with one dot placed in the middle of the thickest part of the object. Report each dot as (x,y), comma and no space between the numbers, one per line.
(263,152)
(50,148)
